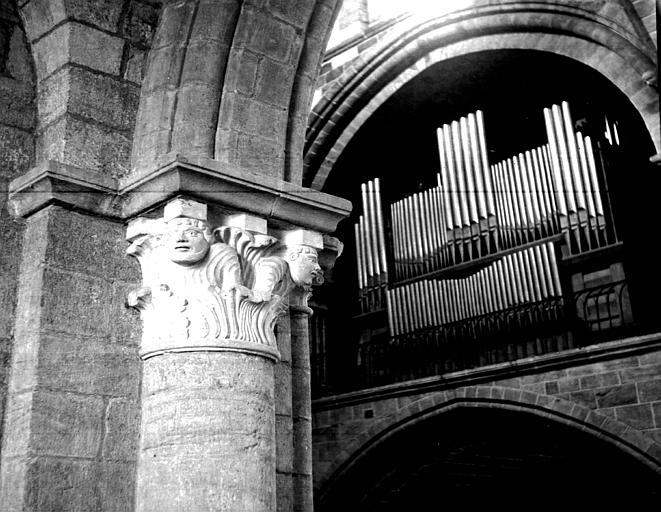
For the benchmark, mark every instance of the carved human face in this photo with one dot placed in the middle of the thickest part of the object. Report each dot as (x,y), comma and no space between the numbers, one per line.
(186,241)
(304,267)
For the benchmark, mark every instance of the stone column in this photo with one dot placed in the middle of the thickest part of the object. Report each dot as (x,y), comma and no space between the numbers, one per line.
(209,302)
(304,242)
(302,412)
(207,435)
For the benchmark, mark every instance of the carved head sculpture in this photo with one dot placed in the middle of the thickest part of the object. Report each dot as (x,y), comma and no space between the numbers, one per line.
(187,240)
(304,266)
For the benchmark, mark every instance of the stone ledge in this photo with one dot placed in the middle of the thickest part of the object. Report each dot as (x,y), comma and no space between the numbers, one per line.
(535,364)
(205,179)
(214,182)
(58,183)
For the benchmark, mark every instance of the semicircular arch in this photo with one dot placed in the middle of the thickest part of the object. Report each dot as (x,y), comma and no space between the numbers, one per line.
(377,75)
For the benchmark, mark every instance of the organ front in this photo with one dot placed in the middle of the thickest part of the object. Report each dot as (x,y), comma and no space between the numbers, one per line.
(492,260)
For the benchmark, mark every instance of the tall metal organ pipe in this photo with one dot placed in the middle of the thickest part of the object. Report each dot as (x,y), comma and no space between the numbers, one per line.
(479,209)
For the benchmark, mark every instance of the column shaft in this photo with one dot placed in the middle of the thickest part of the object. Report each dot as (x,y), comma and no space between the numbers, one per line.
(302,409)
(208,433)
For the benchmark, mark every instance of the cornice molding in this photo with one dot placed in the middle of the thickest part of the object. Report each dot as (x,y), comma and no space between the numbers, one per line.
(205,179)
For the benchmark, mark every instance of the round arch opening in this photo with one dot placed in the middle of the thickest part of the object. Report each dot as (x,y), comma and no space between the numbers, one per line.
(485,456)
(512,87)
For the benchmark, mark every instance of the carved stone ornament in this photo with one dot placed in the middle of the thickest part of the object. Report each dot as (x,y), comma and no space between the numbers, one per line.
(216,289)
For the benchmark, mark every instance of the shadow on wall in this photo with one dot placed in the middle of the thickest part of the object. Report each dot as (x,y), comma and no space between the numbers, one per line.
(489,457)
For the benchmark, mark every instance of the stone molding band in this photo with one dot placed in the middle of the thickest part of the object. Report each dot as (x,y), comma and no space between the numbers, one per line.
(202,178)
(222,346)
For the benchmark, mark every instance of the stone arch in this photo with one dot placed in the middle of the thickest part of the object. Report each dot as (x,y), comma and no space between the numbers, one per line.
(232,81)
(88,60)
(592,40)
(629,440)
(17,72)
(17,156)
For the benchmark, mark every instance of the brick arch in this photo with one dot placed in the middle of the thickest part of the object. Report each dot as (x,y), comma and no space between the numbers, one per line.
(637,444)
(232,81)
(417,45)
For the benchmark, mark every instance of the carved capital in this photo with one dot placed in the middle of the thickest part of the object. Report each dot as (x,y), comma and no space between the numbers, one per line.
(217,289)
(302,258)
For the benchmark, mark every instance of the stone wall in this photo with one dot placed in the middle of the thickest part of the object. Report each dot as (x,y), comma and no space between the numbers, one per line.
(17,121)
(71,422)
(608,38)
(89,60)
(360,26)
(616,396)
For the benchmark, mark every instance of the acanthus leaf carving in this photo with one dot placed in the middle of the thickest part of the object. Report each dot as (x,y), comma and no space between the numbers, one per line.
(219,289)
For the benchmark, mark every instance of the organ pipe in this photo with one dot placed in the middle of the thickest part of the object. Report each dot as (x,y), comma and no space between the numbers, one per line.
(478,209)
(519,278)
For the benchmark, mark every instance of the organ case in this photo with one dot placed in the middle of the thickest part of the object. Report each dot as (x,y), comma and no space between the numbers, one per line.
(481,268)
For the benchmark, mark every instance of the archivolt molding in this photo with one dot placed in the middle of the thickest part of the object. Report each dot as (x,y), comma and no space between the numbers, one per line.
(634,442)
(417,44)
(218,289)
(228,80)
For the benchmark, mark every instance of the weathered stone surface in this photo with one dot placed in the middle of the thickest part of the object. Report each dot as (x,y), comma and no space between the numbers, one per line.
(65,424)
(13,478)
(79,44)
(274,82)
(616,395)
(60,407)
(284,491)
(218,25)
(139,25)
(10,235)
(252,117)
(649,391)
(585,398)
(638,416)
(656,410)
(101,13)
(294,11)
(284,443)
(174,24)
(642,373)
(599,380)
(242,71)
(86,312)
(207,434)
(89,245)
(95,49)
(88,366)
(121,430)
(300,393)
(274,38)
(87,145)
(74,485)
(16,103)
(568,384)
(16,152)
(16,434)
(135,64)
(98,97)
(126,327)
(283,389)
(41,15)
